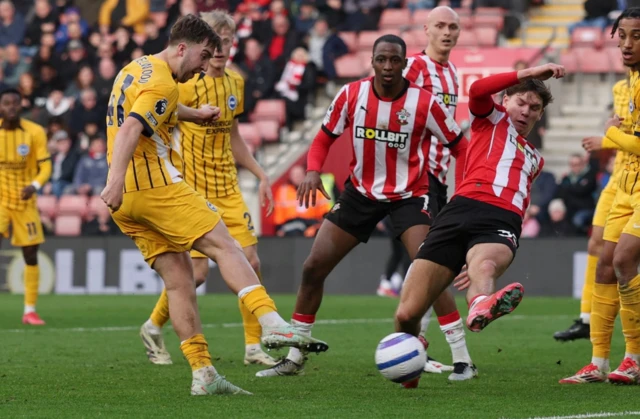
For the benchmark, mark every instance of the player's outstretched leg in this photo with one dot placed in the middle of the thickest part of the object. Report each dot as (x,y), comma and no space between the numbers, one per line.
(31,283)
(581,327)
(329,247)
(625,262)
(176,271)
(486,262)
(604,310)
(242,280)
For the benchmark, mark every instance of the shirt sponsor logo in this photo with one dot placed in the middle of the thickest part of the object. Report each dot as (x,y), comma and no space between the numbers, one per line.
(448,99)
(529,154)
(393,139)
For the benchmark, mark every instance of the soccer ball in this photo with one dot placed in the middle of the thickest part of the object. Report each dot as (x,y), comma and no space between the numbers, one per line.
(400,357)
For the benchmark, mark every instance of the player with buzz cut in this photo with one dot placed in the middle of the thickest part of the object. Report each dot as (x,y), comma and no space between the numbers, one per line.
(25,165)
(209,152)
(432,70)
(166,217)
(617,287)
(392,124)
(581,327)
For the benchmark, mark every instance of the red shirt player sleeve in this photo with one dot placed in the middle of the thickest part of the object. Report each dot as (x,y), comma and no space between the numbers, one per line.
(413,71)
(334,124)
(446,130)
(480,94)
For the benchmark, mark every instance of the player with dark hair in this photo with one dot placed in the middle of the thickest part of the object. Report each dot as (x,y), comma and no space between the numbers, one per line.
(617,287)
(25,166)
(392,123)
(432,70)
(500,167)
(166,217)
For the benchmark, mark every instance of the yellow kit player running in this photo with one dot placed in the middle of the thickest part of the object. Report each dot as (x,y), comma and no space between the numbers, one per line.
(162,214)
(210,152)
(25,165)
(617,273)
(581,327)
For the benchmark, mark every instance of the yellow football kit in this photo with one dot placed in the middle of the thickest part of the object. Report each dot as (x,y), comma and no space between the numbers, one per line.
(24,160)
(208,163)
(156,201)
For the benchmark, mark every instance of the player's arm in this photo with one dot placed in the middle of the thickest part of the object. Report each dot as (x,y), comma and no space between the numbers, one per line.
(334,124)
(43,160)
(242,155)
(412,71)
(627,142)
(203,114)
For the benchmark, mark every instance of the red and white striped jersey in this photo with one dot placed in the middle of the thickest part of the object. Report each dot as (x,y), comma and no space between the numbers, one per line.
(501,165)
(442,81)
(391,138)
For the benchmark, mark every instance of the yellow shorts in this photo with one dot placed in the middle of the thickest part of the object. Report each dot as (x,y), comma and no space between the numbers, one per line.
(166,219)
(24,225)
(624,216)
(605,202)
(236,216)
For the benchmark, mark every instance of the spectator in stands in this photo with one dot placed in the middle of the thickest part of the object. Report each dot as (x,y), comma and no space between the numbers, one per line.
(543,190)
(44,19)
(45,55)
(306,18)
(259,74)
(99,223)
(48,81)
(559,225)
(511,20)
(209,5)
(361,15)
(280,41)
(83,80)
(156,40)
(14,65)
(596,14)
(105,78)
(124,45)
(576,189)
(87,111)
(76,59)
(131,13)
(530,225)
(58,105)
(604,175)
(12,25)
(3,85)
(291,218)
(72,27)
(325,46)
(65,160)
(332,11)
(90,175)
(296,84)
(27,88)
(414,5)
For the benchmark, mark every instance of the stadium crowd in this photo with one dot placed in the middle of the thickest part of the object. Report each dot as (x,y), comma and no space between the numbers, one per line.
(63,56)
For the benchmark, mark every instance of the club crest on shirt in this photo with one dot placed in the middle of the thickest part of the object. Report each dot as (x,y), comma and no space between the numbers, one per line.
(232,102)
(403,116)
(23,150)
(161,106)
(632,106)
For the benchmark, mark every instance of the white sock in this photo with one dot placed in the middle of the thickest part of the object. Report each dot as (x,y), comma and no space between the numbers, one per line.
(601,363)
(246,290)
(152,328)
(205,374)
(272,319)
(477,300)
(29,309)
(396,281)
(426,319)
(635,357)
(586,318)
(253,347)
(454,333)
(296,354)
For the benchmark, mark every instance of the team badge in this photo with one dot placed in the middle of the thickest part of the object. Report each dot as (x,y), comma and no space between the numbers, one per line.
(23,150)
(212,207)
(232,102)
(632,106)
(403,116)
(161,106)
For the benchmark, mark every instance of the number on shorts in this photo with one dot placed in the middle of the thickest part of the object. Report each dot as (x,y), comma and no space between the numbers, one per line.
(31,229)
(247,217)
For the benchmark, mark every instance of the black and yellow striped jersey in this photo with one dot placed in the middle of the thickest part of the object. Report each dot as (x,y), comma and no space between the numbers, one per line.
(209,166)
(146,90)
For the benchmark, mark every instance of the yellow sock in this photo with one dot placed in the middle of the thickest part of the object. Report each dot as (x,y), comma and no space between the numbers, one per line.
(160,313)
(603,316)
(31,283)
(589,280)
(630,314)
(252,328)
(258,302)
(196,350)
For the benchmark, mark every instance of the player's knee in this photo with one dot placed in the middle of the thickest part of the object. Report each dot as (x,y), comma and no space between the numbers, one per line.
(406,318)
(624,267)
(312,270)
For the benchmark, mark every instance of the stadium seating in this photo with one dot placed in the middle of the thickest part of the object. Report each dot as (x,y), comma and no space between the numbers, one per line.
(47,205)
(68,225)
(608,40)
(486,36)
(591,37)
(250,133)
(269,130)
(351,39)
(351,66)
(269,109)
(613,52)
(491,21)
(394,19)
(570,61)
(467,39)
(592,60)
(97,206)
(419,17)
(73,205)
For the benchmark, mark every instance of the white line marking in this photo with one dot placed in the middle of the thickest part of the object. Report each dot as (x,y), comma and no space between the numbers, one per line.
(236,325)
(591,415)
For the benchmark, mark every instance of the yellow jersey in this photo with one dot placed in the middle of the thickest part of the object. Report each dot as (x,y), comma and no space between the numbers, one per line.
(146,90)
(634,111)
(621,107)
(22,150)
(209,166)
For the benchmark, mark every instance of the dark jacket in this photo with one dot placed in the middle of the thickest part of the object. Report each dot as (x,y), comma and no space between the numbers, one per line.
(577,191)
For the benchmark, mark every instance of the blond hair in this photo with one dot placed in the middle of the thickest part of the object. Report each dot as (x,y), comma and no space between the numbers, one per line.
(219,19)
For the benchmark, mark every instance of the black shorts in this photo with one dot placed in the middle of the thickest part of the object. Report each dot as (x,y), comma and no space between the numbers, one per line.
(438,194)
(358,215)
(462,224)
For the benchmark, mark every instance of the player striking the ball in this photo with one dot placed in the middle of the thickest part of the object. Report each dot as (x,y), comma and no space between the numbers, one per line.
(392,123)
(482,223)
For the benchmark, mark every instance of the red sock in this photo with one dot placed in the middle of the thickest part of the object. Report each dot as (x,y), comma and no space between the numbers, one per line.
(449,318)
(304,318)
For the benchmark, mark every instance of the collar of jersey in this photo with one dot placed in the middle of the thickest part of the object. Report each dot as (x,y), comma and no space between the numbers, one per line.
(398,96)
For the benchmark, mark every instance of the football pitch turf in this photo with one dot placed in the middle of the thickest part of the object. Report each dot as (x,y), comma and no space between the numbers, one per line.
(88,362)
